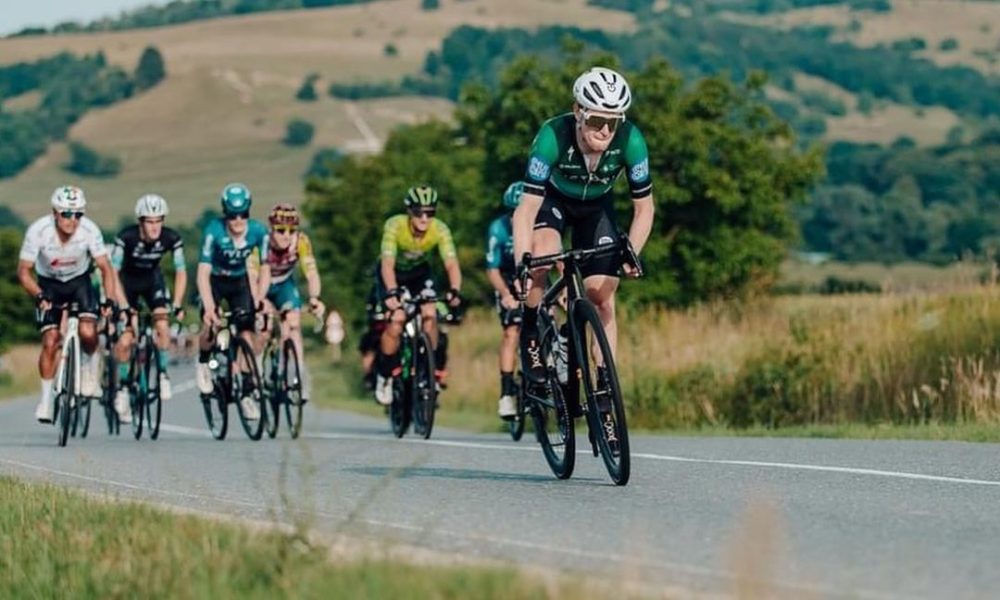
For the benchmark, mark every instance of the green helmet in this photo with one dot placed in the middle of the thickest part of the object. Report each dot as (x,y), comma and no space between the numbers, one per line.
(235,198)
(512,196)
(421,196)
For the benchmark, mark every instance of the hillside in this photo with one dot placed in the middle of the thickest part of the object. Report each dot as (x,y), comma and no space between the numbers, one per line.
(221,112)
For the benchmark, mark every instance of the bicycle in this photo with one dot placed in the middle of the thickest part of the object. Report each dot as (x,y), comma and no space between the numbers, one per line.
(414,392)
(69,402)
(144,380)
(231,361)
(109,375)
(554,406)
(282,379)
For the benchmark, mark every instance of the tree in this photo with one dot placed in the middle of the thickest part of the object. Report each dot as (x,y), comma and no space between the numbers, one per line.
(430,4)
(298,132)
(151,69)
(307,91)
(17,322)
(84,160)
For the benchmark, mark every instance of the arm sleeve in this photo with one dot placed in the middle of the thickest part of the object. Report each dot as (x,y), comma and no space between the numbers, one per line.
(30,247)
(118,254)
(494,246)
(543,154)
(207,244)
(306,258)
(96,245)
(389,246)
(446,245)
(640,182)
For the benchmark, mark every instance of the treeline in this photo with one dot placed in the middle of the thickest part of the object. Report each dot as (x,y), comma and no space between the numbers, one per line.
(645,7)
(726,174)
(70,86)
(181,11)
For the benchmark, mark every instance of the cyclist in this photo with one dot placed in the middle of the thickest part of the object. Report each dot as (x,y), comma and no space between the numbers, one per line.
(288,247)
(62,249)
(136,257)
(224,273)
(500,273)
(572,167)
(407,241)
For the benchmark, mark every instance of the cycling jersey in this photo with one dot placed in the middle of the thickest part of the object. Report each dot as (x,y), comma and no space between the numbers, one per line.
(411,252)
(54,259)
(283,262)
(228,256)
(500,246)
(555,160)
(136,257)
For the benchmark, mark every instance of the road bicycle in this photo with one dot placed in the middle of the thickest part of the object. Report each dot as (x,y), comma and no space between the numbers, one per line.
(234,376)
(282,378)
(72,408)
(553,405)
(144,380)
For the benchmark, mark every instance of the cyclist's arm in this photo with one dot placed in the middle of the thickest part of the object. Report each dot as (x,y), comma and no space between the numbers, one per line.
(308,263)
(180,273)
(26,276)
(388,250)
(454,272)
(643,210)
(640,184)
(264,271)
(523,222)
(496,280)
(388,268)
(449,256)
(203,281)
(112,289)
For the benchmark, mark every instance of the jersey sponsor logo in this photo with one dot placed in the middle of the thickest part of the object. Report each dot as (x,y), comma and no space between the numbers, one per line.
(62,262)
(556,213)
(640,171)
(538,169)
(604,240)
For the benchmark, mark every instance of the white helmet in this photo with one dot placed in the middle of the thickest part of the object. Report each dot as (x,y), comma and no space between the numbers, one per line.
(151,205)
(68,197)
(602,89)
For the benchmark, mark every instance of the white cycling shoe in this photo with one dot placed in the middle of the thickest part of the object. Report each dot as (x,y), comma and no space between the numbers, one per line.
(122,406)
(45,409)
(507,407)
(383,390)
(203,377)
(165,391)
(250,408)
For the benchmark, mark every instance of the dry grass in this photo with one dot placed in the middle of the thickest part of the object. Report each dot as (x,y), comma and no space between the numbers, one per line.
(221,113)
(19,373)
(899,277)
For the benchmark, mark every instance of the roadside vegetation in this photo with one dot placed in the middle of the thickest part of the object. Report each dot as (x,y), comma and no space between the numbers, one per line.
(56,543)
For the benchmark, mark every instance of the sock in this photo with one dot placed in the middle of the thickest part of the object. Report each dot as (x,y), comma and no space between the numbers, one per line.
(122,373)
(386,364)
(164,359)
(507,383)
(203,355)
(46,388)
(529,319)
(441,352)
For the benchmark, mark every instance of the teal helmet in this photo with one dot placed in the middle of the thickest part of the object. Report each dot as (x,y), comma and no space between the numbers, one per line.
(235,198)
(421,196)
(512,196)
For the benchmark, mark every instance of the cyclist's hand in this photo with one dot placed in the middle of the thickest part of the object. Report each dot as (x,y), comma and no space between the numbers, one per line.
(210,316)
(508,301)
(43,303)
(630,271)
(392,299)
(453,297)
(178,312)
(317,307)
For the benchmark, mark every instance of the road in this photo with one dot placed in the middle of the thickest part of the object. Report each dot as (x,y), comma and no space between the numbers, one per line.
(823,518)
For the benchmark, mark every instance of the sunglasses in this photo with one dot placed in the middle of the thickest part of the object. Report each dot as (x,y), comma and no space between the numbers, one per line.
(429,212)
(71,214)
(152,220)
(597,122)
(284,230)
(240,215)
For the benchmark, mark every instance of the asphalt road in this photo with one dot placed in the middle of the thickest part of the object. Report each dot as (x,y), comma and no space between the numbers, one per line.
(795,517)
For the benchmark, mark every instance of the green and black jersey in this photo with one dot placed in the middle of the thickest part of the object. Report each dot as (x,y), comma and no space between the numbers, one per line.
(556,160)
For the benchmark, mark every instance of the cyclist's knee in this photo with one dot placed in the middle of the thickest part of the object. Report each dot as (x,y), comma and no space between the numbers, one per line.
(50,341)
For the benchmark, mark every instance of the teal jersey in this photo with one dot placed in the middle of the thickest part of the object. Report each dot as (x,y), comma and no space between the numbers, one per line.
(500,245)
(556,160)
(227,256)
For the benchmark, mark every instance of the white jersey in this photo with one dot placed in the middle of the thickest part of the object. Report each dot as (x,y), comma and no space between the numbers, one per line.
(56,260)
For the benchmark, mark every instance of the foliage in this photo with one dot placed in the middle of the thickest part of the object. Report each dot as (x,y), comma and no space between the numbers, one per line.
(85,160)
(430,4)
(299,132)
(150,70)
(307,91)
(324,163)
(17,311)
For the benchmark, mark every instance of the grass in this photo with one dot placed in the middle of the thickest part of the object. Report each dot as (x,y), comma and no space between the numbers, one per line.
(895,278)
(58,543)
(19,373)
(221,113)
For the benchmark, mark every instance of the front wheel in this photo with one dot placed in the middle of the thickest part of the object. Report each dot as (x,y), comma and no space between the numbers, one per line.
(137,389)
(246,384)
(272,378)
(554,424)
(293,389)
(423,387)
(605,408)
(66,399)
(154,403)
(516,425)
(216,404)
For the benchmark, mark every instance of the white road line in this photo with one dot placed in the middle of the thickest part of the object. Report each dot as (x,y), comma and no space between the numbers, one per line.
(644,455)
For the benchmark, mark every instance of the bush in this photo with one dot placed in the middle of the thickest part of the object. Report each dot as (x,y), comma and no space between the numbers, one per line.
(299,132)
(324,162)
(307,92)
(84,160)
(430,4)
(390,50)
(948,45)
(151,69)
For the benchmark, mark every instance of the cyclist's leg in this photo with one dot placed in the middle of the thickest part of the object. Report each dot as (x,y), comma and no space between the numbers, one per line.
(159,302)
(546,239)
(286,298)
(595,228)
(510,323)
(48,326)
(87,299)
(203,375)
(387,363)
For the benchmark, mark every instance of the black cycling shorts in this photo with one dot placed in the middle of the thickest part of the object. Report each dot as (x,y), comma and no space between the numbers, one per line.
(414,282)
(80,289)
(236,292)
(593,224)
(147,286)
(508,316)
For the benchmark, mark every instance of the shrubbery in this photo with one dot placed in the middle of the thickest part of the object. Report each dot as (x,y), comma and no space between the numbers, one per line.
(86,161)
(298,132)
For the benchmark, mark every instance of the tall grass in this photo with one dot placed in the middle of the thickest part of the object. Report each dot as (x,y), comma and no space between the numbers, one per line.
(903,359)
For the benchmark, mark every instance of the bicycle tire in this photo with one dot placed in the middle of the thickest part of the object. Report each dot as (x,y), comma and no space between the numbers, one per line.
(108,390)
(605,408)
(137,390)
(554,426)
(515,426)
(216,404)
(423,388)
(243,353)
(154,401)
(292,395)
(272,378)
(399,410)
(64,399)
(83,416)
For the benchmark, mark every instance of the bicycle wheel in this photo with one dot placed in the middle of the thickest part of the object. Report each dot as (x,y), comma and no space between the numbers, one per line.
(137,387)
(605,409)
(293,389)
(554,426)
(216,404)
(83,416)
(108,392)
(246,383)
(64,399)
(423,398)
(154,403)
(399,410)
(272,391)
(516,425)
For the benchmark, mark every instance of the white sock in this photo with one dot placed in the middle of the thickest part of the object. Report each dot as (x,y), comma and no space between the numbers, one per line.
(46,389)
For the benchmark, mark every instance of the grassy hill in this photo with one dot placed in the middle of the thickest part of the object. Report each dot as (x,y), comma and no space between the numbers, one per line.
(221,112)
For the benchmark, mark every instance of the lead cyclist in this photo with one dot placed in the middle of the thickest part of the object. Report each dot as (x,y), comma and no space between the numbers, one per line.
(572,167)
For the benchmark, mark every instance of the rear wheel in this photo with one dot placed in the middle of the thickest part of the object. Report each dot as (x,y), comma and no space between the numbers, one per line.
(554,426)
(423,387)
(154,403)
(605,409)
(246,384)
(293,389)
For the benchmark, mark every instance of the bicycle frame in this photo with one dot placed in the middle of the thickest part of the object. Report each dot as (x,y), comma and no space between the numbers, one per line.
(71,337)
